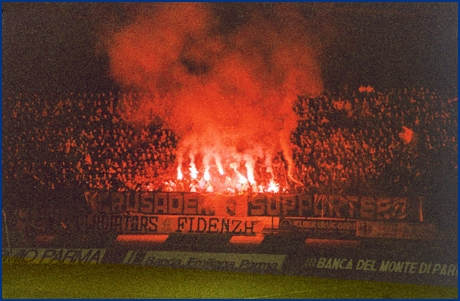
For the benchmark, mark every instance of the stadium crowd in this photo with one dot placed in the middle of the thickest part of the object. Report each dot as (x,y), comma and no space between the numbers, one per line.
(397,141)
(354,142)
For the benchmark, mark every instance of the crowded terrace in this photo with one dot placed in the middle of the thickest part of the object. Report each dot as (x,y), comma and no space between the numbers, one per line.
(395,142)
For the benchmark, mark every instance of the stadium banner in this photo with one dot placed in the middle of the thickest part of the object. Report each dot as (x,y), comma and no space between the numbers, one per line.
(254,204)
(320,227)
(260,263)
(376,229)
(330,206)
(373,267)
(167,203)
(163,224)
(53,256)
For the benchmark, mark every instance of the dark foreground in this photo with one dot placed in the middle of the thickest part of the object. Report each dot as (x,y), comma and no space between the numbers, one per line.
(122,281)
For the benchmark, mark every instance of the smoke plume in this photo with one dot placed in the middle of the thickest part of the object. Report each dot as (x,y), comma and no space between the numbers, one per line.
(224,78)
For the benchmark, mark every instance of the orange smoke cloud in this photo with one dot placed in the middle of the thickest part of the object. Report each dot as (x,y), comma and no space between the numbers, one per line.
(228,94)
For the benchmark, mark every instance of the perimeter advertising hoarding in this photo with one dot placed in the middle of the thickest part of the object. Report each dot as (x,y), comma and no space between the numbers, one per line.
(261,263)
(429,269)
(407,268)
(53,255)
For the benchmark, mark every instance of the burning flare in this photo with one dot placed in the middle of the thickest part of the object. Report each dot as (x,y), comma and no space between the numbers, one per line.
(226,89)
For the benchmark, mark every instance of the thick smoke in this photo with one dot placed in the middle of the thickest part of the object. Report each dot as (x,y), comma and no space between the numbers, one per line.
(224,80)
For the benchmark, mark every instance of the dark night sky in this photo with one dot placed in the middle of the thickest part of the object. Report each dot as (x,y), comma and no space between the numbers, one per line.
(55,46)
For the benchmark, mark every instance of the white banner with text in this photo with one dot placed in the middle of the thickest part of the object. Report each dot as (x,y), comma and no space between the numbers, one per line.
(264,263)
(57,256)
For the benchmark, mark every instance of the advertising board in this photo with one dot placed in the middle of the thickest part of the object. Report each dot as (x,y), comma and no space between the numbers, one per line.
(406,269)
(53,256)
(262,263)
